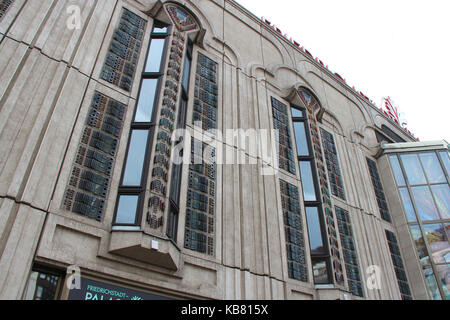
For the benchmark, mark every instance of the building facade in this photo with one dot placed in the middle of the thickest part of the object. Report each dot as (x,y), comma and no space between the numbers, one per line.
(289,184)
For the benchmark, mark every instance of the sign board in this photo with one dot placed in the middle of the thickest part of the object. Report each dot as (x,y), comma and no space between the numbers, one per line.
(95,290)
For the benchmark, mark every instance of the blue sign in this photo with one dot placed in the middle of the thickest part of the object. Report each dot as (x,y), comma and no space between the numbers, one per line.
(94,290)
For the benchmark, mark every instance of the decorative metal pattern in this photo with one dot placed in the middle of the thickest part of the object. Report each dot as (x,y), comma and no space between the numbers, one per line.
(350,253)
(92,170)
(295,240)
(206,93)
(398,266)
(124,52)
(334,172)
(163,149)
(183,21)
(379,193)
(281,123)
(4,6)
(327,206)
(200,208)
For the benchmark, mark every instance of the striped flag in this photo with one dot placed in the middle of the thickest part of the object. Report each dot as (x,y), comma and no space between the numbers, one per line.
(391,110)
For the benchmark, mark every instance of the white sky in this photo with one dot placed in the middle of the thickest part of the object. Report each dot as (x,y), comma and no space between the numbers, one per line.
(396,48)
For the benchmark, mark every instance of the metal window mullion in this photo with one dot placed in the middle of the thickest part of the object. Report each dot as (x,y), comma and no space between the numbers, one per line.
(420,224)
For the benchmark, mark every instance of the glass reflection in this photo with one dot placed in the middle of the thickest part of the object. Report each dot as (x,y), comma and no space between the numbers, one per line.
(186,71)
(431,283)
(443,272)
(437,241)
(413,169)
(160,30)
(309,191)
(155,55)
(420,244)
(441,194)
(447,230)
(320,271)
(397,171)
(314,231)
(297,113)
(126,212)
(407,204)
(300,138)
(432,168)
(445,159)
(146,100)
(424,203)
(135,159)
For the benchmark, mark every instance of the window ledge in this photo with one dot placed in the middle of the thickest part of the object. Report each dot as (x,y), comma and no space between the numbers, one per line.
(137,245)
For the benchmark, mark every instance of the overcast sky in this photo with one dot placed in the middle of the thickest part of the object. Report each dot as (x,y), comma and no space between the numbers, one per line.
(393,48)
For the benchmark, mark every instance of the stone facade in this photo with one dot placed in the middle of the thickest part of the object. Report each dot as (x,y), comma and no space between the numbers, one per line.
(49,76)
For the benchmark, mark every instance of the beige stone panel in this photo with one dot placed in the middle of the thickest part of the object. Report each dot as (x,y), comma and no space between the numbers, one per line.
(277,50)
(43,175)
(229,94)
(29,22)
(8,18)
(17,257)
(246,41)
(12,54)
(233,290)
(87,52)
(8,211)
(24,117)
(210,14)
(248,19)
(274,229)
(347,163)
(56,39)
(231,245)
(258,234)
(278,289)
(247,218)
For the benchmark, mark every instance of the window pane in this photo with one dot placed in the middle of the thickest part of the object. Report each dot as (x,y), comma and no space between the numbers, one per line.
(155,55)
(309,192)
(441,194)
(407,204)
(420,244)
(42,286)
(443,272)
(431,283)
(314,231)
(135,160)
(126,212)
(146,100)
(320,272)
(160,30)
(413,169)
(445,159)
(447,229)
(186,71)
(432,168)
(424,203)
(300,137)
(437,241)
(297,113)
(397,171)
